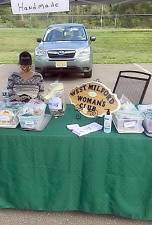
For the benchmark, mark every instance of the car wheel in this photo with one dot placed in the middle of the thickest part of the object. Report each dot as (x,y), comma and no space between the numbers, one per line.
(88,74)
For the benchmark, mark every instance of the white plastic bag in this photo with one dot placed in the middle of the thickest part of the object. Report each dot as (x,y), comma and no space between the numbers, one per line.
(56,99)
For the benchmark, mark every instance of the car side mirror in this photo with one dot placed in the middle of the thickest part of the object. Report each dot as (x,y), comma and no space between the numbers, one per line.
(92,38)
(39,40)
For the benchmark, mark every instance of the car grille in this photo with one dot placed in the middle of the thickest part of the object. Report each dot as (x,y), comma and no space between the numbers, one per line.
(61,54)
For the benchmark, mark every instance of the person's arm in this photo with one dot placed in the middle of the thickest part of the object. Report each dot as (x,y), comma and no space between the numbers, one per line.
(41,84)
(10,85)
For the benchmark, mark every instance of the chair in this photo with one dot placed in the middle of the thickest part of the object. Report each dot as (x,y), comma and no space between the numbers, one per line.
(133,84)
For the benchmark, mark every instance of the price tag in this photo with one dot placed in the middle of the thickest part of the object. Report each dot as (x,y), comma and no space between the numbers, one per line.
(4,118)
(129,124)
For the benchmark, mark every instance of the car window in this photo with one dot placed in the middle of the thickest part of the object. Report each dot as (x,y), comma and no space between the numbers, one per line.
(65,34)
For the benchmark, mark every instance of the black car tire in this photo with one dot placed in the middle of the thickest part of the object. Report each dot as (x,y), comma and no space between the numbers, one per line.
(88,74)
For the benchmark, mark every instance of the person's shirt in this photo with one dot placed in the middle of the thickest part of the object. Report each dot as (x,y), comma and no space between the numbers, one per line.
(23,90)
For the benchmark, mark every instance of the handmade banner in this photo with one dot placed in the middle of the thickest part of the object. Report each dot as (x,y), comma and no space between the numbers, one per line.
(94,99)
(39,6)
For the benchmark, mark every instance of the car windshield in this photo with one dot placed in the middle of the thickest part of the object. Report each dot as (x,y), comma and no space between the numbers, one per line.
(65,34)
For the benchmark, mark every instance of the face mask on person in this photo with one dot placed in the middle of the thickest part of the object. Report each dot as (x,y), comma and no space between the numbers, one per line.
(25,68)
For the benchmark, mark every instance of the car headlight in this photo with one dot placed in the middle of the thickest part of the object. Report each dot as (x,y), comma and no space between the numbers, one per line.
(40,52)
(83,52)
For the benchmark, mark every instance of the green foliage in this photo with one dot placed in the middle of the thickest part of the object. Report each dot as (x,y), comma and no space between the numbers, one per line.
(111,46)
(112,16)
(133,8)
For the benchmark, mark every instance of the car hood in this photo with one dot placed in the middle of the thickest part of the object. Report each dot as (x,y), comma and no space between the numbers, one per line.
(64,45)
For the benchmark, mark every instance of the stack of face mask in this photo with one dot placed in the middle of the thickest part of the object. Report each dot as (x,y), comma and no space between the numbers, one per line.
(89,128)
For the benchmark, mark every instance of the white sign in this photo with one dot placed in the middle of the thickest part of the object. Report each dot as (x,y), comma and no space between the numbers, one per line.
(39,6)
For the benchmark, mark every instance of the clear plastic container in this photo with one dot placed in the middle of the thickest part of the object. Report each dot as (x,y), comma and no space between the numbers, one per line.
(8,114)
(34,107)
(57,106)
(148,121)
(146,111)
(128,122)
(55,99)
(29,121)
(8,117)
(6,99)
(32,114)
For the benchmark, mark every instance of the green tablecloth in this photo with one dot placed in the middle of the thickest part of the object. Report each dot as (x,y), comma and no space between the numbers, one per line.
(55,170)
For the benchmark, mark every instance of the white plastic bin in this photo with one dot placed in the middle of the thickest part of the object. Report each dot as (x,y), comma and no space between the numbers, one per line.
(128,123)
(30,122)
(148,121)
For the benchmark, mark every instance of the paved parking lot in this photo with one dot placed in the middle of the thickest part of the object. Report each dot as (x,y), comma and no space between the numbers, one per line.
(106,73)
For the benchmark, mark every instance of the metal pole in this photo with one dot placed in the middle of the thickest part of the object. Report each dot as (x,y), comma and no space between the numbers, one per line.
(101,18)
(115,21)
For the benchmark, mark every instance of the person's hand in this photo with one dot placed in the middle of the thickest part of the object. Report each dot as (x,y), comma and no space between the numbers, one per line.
(15,98)
(18,98)
(24,98)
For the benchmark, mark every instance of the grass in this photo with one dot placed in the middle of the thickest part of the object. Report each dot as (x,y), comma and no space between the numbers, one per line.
(111,46)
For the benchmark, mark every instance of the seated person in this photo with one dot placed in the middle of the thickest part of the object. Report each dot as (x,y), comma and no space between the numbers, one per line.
(57,35)
(25,84)
(76,36)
